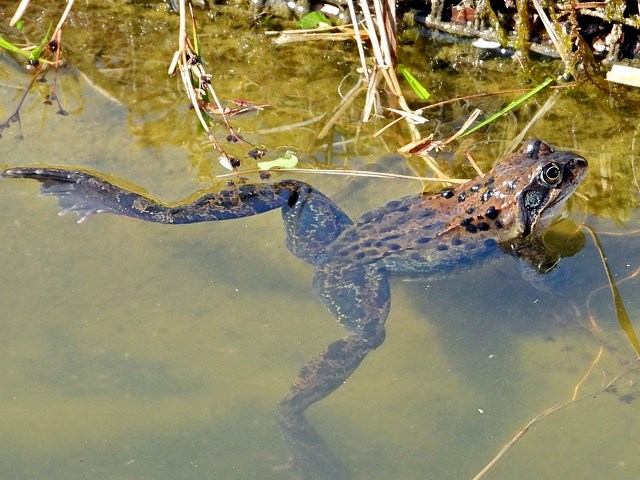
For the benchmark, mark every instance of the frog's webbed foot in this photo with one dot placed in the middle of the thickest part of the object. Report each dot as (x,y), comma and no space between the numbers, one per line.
(358,296)
(311,458)
(77,192)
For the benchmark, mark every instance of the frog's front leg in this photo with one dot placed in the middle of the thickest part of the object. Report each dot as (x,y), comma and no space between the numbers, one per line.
(540,260)
(358,296)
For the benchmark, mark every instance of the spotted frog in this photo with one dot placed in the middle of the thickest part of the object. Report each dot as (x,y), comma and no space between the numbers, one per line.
(504,210)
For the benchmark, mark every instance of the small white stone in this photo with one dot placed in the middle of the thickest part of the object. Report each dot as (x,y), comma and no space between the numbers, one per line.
(485,44)
(330,9)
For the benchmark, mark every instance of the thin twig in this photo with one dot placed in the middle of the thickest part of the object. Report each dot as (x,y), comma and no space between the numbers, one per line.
(549,411)
(348,99)
(551,31)
(587,373)
(354,173)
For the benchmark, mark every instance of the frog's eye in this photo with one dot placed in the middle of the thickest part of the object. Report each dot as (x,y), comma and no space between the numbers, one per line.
(551,174)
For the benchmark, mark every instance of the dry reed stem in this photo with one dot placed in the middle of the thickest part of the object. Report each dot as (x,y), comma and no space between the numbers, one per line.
(63,18)
(381,32)
(185,59)
(551,31)
(22,7)
(358,38)
(473,163)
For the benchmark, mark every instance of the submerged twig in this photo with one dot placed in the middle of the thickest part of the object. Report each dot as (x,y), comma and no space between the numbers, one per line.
(347,100)
(587,373)
(553,409)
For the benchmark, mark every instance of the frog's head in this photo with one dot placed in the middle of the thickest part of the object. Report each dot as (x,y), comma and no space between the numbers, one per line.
(551,178)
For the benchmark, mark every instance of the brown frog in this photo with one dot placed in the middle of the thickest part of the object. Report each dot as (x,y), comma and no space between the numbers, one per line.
(504,210)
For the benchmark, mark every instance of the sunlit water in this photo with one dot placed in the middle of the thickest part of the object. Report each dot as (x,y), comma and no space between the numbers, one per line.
(140,351)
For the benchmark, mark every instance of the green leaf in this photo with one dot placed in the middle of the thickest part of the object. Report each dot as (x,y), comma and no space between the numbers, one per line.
(313,20)
(19,24)
(288,160)
(413,82)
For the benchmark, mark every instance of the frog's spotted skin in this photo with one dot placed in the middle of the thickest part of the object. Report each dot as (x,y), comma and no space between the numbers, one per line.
(503,210)
(458,227)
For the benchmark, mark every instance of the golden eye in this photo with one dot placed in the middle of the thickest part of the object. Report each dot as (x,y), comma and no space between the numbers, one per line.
(551,174)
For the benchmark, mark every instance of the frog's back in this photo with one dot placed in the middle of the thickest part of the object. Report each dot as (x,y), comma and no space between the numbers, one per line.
(415,235)
(461,227)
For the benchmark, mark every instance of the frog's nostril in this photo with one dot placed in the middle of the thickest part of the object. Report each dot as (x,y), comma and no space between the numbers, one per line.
(579,162)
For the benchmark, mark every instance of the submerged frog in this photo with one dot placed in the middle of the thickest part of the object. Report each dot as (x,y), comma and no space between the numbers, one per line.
(504,210)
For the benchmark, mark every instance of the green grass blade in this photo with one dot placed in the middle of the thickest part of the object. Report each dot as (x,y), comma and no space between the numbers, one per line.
(413,82)
(33,54)
(509,107)
(36,52)
(12,48)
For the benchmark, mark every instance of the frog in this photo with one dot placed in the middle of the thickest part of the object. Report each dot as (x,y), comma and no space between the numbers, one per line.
(504,211)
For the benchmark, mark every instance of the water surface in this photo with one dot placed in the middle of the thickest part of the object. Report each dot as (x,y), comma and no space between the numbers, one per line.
(140,351)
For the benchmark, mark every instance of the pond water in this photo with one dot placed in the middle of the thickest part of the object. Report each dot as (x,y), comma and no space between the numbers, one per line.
(142,351)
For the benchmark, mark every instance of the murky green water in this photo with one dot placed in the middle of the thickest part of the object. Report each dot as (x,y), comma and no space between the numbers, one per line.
(139,351)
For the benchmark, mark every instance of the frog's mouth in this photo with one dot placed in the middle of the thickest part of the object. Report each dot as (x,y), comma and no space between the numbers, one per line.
(549,189)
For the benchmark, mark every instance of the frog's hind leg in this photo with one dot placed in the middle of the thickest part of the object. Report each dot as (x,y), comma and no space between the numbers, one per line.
(358,296)
(90,193)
